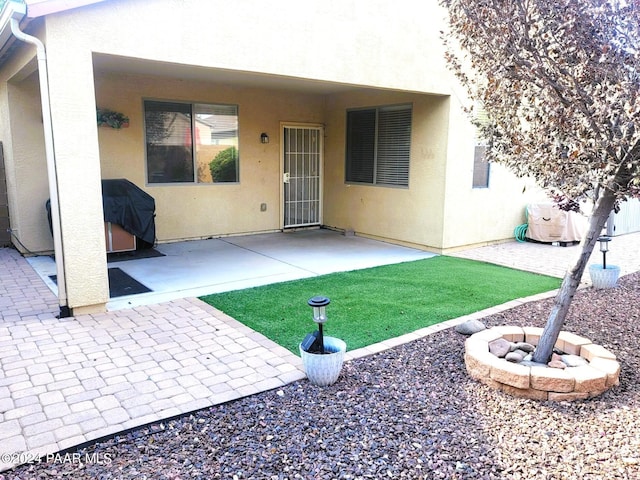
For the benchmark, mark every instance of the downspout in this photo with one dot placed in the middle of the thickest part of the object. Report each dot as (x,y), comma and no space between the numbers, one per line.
(52,172)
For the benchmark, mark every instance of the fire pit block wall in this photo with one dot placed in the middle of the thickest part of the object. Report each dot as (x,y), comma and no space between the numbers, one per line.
(540,383)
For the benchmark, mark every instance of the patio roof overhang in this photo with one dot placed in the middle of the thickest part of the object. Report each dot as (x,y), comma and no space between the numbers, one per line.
(136,66)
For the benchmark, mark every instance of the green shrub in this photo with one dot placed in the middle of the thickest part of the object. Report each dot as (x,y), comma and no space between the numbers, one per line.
(223,166)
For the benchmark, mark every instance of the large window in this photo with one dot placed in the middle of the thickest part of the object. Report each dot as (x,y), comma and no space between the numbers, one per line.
(191,143)
(378,145)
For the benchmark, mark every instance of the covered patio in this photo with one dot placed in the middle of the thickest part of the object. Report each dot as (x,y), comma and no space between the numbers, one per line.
(201,267)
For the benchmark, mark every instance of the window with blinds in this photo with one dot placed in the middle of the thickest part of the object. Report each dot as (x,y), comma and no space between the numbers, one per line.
(379,145)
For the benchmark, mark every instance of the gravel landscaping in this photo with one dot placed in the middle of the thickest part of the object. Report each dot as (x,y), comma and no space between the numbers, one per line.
(409,412)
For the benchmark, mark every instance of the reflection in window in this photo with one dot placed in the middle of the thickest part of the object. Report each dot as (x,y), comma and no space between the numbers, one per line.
(191,143)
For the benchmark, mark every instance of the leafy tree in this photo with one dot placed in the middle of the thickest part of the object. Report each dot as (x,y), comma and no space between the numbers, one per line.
(559,81)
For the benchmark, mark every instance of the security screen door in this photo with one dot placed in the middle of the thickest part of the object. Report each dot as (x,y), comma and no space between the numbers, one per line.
(302,175)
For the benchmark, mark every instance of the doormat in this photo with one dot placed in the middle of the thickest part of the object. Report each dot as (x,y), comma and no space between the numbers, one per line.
(120,284)
(133,255)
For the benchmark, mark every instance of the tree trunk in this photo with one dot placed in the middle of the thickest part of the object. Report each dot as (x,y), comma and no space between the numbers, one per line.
(571,280)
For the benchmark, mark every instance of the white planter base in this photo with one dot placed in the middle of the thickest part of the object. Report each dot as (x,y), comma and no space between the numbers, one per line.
(604,277)
(324,369)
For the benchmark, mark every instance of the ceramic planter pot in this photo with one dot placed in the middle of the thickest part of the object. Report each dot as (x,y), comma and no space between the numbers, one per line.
(604,277)
(324,369)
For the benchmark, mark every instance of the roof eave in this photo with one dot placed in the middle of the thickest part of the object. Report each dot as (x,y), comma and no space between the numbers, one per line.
(40,8)
(12,10)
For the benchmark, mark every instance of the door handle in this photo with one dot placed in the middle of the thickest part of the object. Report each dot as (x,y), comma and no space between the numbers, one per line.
(286,177)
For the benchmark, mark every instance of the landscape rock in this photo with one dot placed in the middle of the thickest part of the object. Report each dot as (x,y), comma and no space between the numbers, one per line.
(524,346)
(515,357)
(470,327)
(574,360)
(522,353)
(500,347)
(557,364)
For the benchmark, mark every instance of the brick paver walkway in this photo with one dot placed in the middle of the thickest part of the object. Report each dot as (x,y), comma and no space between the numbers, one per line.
(64,382)
(624,251)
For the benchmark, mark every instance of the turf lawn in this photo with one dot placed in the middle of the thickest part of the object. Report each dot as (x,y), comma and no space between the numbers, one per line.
(375,304)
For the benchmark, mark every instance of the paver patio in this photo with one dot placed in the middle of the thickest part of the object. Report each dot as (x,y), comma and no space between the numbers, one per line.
(68,381)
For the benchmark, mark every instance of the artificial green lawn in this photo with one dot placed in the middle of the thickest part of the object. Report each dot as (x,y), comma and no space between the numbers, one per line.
(375,304)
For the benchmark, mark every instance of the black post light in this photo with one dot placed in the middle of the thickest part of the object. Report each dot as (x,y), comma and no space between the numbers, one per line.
(314,342)
(604,248)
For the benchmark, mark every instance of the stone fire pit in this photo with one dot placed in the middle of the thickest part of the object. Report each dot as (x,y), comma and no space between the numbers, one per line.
(541,382)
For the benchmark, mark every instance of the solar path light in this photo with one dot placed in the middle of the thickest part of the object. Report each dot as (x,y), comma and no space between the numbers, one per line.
(319,305)
(603,276)
(322,356)
(604,248)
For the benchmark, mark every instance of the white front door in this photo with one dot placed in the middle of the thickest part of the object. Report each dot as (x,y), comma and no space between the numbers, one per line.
(302,175)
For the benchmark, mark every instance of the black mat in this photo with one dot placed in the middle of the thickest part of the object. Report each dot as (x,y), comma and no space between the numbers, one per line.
(120,284)
(133,255)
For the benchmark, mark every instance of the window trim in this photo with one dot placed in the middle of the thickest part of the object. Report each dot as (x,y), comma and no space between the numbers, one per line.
(376,173)
(192,104)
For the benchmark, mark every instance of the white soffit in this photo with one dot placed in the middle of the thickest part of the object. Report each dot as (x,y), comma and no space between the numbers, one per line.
(39,8)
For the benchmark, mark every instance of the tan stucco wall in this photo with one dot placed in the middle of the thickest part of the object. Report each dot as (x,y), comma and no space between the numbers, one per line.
(412,215)
(396,48)
(30,173)
(203,210)
(476,216)
(73,112)
(22,135)
(440,210)
(348,41)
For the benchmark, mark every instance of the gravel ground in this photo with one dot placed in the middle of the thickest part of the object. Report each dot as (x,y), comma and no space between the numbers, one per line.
(410,412)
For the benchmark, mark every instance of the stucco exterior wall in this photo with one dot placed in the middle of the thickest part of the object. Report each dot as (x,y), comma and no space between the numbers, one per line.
(203,210)
(412,215)
(21,131)
(29,178)
(440,210)
(477,216)
(73,116)
(348,41)
(389,51)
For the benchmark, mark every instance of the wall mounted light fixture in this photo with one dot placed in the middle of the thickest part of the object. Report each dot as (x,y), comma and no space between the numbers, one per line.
(264,138)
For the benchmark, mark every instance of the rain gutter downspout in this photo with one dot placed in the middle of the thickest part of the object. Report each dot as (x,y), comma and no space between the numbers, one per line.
(52,170)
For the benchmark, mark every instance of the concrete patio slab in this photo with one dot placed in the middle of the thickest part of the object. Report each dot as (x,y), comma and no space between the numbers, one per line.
(201,267)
